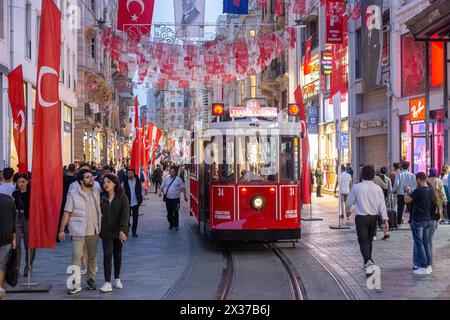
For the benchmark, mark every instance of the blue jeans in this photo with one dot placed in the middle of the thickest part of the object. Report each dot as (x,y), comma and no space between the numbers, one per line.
(434,224)
(422,235)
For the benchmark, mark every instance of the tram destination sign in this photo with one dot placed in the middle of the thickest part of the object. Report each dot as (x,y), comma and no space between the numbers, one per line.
(242,112)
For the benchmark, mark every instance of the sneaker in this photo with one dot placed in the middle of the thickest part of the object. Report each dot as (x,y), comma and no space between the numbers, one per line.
(369,263)
(385,237)
(83,272)
(429,269)
(118,284)
(106,287)
(2,293)
(74,290)
(96,270)
(135,235)
(91,284)
(176,229)
(374,238)
(422,271)
(415,268)
(170,228)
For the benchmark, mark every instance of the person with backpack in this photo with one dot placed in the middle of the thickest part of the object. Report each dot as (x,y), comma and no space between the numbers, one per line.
(423,200)
(437,184)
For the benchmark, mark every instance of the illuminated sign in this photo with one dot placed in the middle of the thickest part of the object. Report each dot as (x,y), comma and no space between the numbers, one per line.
(417,110)
(252,112)
(327,59)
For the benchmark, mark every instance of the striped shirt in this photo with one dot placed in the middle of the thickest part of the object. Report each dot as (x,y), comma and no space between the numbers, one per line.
(404,179)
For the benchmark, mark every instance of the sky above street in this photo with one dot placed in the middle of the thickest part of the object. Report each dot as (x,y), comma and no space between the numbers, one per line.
(164,12)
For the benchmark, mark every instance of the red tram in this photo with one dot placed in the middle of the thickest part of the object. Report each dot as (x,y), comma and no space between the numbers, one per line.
(245,180)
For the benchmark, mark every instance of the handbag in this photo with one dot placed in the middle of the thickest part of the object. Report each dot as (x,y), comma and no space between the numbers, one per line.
(164,196)
(12,273)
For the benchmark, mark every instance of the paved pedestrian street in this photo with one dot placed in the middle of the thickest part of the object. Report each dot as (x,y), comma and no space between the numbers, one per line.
(165,264)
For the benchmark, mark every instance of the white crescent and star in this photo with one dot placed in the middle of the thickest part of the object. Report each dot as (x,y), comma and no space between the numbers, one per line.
(43,71)
(22,122)
(140,2)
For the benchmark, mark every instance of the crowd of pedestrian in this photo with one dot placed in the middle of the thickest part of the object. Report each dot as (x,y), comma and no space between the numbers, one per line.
(98,205)
(382,198)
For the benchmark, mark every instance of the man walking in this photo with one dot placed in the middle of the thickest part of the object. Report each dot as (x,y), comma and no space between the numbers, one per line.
(7,234)
(8,186)
(345,184)
(369,201)
(157,177)
(172,186)
(405,181)
(133,190)
(319,179)
(82,213)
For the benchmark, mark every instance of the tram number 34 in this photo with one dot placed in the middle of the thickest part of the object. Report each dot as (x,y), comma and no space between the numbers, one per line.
(220,192)
(291,192)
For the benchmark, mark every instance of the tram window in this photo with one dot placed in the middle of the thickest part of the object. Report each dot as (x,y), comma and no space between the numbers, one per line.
(257,158)
(193,167)
(211,158)
(227,166)
(287,159)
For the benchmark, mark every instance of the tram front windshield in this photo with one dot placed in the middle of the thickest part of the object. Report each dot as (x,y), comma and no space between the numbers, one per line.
(256,158)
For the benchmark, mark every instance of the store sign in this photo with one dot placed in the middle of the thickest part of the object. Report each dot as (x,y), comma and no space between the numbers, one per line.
(344,140)
(327,59)
(370,124)
(417,110)
(334,22)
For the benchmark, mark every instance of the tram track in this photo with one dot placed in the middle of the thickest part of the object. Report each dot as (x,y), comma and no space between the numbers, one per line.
(297,288)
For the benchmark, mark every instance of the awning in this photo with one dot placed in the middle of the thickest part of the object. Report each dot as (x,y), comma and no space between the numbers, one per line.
(433,23)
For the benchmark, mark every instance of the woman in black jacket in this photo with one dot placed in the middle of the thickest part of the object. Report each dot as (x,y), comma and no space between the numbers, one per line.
(114,229)
(22,199)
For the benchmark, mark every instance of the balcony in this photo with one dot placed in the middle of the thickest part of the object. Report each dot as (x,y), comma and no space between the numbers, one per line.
(273,77)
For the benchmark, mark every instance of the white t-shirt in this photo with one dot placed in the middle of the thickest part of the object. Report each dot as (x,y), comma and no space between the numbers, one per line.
(7,188)
(344,183)
(175,188)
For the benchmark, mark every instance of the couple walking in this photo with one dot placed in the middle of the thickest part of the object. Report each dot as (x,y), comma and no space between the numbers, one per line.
(92,214)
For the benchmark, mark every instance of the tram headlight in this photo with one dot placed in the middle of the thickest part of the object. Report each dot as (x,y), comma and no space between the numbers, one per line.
(258,202)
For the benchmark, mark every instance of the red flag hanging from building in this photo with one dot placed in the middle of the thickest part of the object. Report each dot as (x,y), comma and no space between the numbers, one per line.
(143,153)
(307,64)
(158,136)
(17,102)
(306,165)
(279,8)
(46,196)
(135,17)
(334,11)
(135,151)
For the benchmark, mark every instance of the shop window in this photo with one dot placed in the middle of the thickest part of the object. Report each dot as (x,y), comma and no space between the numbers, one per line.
(358,53)
(28,30)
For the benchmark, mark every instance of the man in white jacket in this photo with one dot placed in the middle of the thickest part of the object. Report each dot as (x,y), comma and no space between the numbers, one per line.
(83,214)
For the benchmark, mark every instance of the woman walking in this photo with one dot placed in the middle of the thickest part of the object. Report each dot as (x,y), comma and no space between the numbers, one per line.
(22,199)
(114,229)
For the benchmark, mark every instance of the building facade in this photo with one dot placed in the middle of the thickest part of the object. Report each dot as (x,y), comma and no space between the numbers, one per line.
(19,42)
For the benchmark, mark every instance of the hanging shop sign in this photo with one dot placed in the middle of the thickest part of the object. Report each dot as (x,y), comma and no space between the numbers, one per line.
(417,110)
(327,60)
(312,119)
(334,22)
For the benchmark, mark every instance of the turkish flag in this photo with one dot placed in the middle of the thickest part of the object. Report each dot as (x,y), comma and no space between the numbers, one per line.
(143,152)
(17,101)
(155,147)
(279,8)
(135,17)
(339,81)
(135,151)
(306,165)
(46,195)
(306,65)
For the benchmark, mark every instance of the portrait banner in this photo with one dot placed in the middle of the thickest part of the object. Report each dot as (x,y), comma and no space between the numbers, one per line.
(189,18)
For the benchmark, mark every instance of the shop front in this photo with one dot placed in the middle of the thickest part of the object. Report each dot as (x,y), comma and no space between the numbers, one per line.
(413,141)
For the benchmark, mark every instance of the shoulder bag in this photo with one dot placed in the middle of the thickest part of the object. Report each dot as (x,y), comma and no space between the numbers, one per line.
(167,190)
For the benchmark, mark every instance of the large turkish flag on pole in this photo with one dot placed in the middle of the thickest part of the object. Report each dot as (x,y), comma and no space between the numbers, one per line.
(135,152)
(135,17)
(47,186)
(17,101)
(306,166)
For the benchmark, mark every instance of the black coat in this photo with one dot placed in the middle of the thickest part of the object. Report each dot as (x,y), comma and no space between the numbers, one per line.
(138,190)
(115,216)
(7,219)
